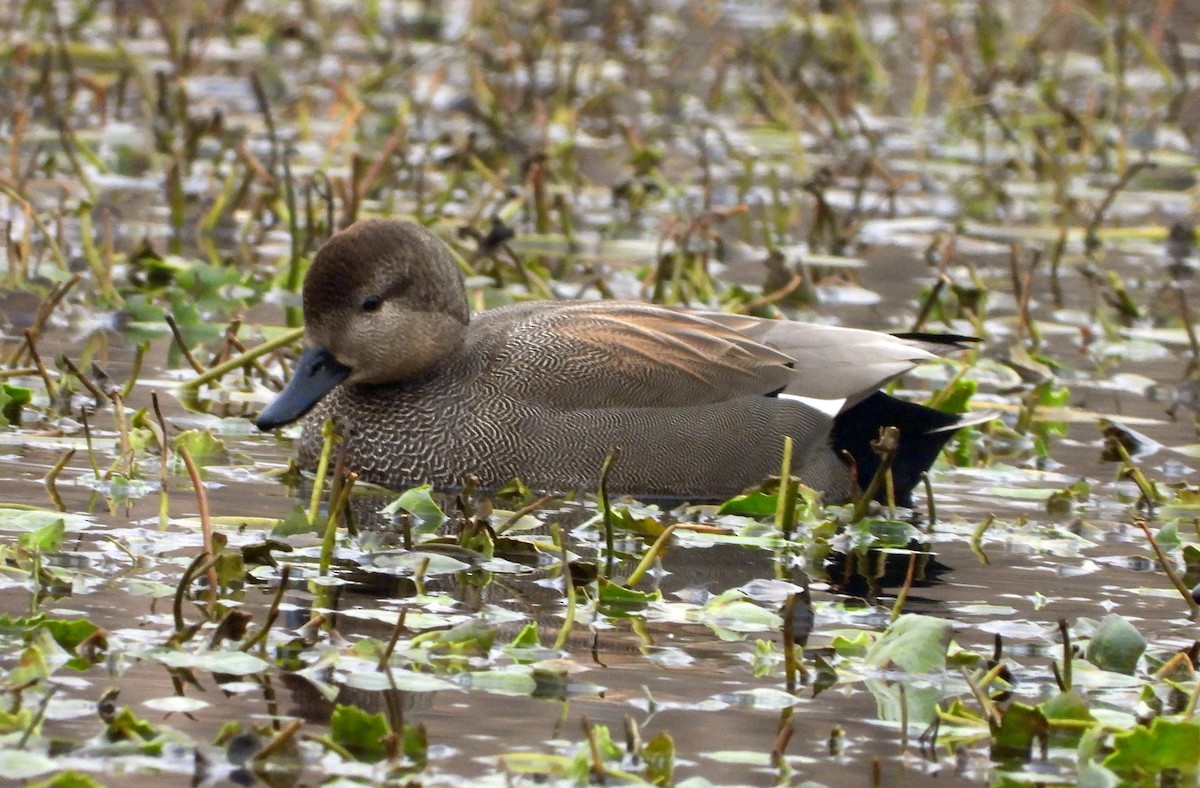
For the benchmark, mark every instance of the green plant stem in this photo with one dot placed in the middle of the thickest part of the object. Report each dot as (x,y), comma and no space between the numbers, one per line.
(648,559)
(564,632)
(219,371)
(606,512)
(1169,569)
(314,502)
(785,501)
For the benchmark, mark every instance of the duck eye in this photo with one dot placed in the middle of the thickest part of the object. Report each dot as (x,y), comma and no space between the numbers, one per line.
(371,303)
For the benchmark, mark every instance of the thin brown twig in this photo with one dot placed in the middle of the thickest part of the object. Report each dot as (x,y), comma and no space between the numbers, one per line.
(206,531)
(187,353)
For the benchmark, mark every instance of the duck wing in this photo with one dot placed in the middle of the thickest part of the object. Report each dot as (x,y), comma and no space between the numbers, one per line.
(833,362)
(624,355)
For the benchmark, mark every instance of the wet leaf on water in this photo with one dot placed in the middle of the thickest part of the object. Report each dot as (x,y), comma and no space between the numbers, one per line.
(536,763)
(425,561)
(851,643)
(202,445)
(1168,535)
(261,553)
(642,526)
(295,523)
(1116,645)
(125,726)
(23,764)
(1092,775)
(233,663)
(69,633)
(359,733)
(403,680)
(1020,727)
(21,719)
(732,611)
(1066,706)
(659,755)
(471,637)
(511,680)
(761,698)
(527,637)
(150,588)
(12,399)
(957,398)
(913,643)
(175,704)
(1141,755)
(755,504)
(31,519)
(419,502)
(617,599)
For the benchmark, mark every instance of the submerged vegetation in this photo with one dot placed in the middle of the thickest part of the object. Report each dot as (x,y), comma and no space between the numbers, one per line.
(178,600)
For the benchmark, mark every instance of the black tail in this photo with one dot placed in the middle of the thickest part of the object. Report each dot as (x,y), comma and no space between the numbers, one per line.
(854,429)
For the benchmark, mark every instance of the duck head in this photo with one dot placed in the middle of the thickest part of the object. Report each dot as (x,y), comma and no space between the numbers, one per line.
(384,302)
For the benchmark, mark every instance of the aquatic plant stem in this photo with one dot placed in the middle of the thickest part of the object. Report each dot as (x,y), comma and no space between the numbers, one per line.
(43,373)
(1149,493)
(935,292)
(206,531)
(282,738)
(886,447)
(930,505)
(181,590)
(596,768)
(1090,232)
(651,556)
(902,596)
(82,378)
(343,498)
(163,453)
(981,697)
(182,345)
(397,630)
(779,746)
(516,516)
(219,371)
(610,561)
(1169,569)
(48,237)
(560,541)
(91,449)
(789,644)
(976,543)
(285,574)
(1067,676)
(1186,315)
(39,714)
(1189,711)
(51,478)
(785,498)
(314,501)
(139,358)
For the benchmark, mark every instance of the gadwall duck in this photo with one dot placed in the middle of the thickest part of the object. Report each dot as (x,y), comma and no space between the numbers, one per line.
(698,402)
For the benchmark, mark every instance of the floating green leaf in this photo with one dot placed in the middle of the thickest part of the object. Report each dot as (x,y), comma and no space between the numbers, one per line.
(912,643)
(1141,755)
(1116,645)
(359,733)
